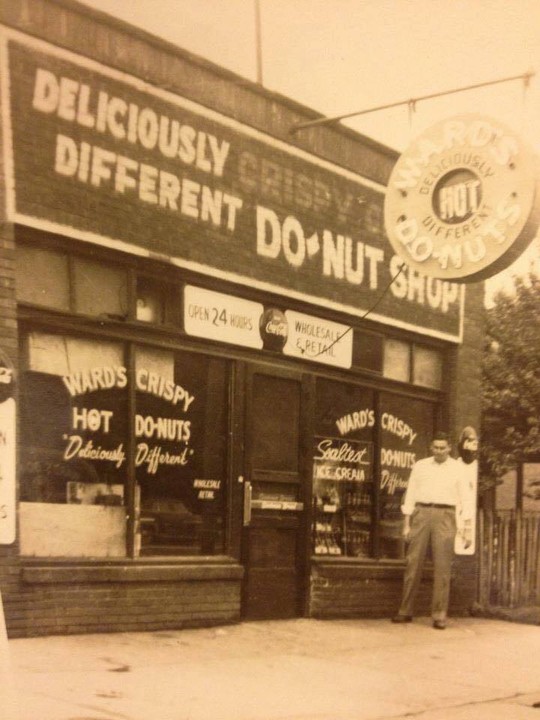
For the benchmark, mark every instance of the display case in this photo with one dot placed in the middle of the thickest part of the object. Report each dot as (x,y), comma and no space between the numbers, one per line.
(342,497)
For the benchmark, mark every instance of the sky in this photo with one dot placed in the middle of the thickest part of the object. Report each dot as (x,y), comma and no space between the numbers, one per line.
(345,56)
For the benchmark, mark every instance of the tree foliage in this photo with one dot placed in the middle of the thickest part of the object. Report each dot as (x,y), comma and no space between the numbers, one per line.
(511,381)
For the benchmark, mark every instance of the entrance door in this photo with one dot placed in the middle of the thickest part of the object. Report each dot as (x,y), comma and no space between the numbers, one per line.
(273,511)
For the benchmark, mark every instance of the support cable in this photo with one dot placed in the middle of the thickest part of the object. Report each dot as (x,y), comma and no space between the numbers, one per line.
(362,317)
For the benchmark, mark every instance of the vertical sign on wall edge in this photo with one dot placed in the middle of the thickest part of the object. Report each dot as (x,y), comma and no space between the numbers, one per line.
(7,517)
(7,680)
(468,457)
(7,451)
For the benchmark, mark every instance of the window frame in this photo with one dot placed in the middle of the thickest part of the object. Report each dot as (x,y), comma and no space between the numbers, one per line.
(132,331)
(129,348)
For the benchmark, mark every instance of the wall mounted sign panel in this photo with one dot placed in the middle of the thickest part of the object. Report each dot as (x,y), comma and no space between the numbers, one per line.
(8,423)
(311,338)
(222,317)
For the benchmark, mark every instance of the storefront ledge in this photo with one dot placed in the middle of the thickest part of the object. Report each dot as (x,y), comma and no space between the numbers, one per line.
(353,568)
(164,572)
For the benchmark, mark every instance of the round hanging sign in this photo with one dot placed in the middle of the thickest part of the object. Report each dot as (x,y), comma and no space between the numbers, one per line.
(462,202)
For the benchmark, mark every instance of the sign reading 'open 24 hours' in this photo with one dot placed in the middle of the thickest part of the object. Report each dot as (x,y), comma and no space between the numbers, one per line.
(462,201)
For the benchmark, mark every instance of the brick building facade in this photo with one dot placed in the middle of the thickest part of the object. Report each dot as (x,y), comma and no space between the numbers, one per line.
(212,422)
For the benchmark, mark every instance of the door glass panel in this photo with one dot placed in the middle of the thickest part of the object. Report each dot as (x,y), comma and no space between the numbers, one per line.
(275,418)
(181,451)
(279,491)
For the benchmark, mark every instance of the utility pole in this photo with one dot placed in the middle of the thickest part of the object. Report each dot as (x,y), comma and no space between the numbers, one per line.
(258,41)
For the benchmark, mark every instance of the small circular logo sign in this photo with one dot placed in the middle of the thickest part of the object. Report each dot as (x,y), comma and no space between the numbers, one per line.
(274,329)
(468,445)
(462,202)
(456,196)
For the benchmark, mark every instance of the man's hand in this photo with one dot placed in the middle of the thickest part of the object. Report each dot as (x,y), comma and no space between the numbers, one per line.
(466,537)
(406,528)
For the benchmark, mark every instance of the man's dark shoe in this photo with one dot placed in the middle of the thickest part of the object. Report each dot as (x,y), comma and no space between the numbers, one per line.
(439,625)
(402,618)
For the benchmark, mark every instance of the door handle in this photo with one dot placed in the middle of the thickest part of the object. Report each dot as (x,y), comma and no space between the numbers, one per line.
(248,494)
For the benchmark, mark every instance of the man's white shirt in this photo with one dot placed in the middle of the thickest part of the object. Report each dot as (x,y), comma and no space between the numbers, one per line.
(443,483)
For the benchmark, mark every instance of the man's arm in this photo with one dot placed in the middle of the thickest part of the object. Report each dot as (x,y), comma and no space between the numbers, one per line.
(409,502)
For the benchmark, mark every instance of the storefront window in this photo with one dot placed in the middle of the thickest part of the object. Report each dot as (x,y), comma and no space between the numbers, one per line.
(418,364)
(76,449)
(368,351)
(406,430)
(397,360)
(73,447)
(150,301)
(158,301)
(181,451)
(100,289)
(343,470)
(427,365)
(71,283)
(50,286)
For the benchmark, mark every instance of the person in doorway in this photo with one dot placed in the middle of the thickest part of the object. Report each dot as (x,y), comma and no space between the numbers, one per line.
(435,499)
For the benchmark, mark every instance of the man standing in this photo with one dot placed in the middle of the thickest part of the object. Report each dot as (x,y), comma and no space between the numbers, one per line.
(434,500)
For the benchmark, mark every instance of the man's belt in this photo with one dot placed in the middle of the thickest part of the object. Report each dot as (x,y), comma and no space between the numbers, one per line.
(442,506)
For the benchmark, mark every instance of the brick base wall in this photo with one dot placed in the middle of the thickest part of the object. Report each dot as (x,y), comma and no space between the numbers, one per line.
(463,593)
(46,605)
(353,591)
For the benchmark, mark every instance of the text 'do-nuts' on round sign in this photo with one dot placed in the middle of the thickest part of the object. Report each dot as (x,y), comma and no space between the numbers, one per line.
(462,202)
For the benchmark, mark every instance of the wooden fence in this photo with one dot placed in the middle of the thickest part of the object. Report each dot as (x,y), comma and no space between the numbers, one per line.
(509,557)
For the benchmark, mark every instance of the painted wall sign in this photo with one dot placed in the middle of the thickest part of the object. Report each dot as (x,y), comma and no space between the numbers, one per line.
(463,200)
(311,338)
(208,193)
(7,452)
(222,317)
(98,433)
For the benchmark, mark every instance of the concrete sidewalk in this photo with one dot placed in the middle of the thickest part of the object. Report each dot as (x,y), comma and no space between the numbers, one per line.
(303,669)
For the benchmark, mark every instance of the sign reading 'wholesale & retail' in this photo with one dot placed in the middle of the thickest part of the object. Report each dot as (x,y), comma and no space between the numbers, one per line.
(103,157)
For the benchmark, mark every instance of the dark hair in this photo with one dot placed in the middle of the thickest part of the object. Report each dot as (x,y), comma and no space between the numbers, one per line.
(441,436)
